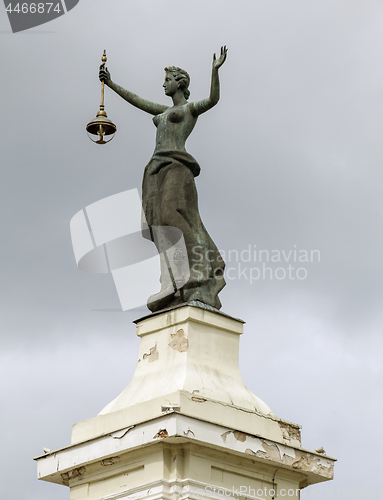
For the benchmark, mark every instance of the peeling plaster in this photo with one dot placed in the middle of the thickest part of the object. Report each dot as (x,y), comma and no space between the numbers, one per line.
(239,436)
(162,433)
(224,435)
(256,446)
(302,464)
(277,452)
(198,400)
(286,450)
(189,433)
(290,431)
(120,434)
(254,452)
(110,461)
(323,462)
(153,354)
(179,341)
(72,474)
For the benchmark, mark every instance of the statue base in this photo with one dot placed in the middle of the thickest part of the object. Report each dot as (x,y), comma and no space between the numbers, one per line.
(186,426)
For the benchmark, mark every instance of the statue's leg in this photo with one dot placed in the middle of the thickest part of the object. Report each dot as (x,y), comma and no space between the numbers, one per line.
(152,230)
(179,209)
(162,237)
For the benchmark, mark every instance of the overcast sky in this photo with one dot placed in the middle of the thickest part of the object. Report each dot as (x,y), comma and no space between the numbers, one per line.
(291,159)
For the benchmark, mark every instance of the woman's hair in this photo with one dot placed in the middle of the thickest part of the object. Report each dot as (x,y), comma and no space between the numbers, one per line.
(182,77)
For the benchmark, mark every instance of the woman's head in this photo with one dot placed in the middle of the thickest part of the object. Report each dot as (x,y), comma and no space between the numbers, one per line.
(182,78)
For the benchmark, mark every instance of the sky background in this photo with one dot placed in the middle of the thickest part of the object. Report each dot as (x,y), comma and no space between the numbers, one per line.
(291,155)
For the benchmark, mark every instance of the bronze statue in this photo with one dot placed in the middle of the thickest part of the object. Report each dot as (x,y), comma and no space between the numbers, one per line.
(169,194)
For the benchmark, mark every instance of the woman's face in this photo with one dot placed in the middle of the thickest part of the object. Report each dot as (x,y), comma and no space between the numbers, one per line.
(170,85)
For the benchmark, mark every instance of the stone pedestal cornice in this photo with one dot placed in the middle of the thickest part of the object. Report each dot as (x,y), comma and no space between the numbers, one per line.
(186,425)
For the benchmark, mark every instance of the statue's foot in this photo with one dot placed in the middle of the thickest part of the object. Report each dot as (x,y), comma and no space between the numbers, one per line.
(203,294)
(162,299)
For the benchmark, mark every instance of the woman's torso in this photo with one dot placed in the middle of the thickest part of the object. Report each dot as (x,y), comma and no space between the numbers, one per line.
(173,128)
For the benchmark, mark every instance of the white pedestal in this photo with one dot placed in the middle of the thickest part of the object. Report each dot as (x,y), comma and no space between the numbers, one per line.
(186,426)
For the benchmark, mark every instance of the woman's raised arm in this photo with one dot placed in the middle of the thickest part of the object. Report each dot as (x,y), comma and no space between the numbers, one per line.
(199,107)
(135,100)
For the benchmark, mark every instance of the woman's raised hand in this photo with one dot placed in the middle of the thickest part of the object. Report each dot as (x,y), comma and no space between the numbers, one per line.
(104,74)
(217,63)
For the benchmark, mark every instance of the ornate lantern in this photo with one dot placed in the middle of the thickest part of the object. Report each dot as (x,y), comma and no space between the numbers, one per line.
(101,126)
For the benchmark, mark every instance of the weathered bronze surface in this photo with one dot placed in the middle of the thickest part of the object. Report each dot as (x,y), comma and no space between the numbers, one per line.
(101,125)
(169,194)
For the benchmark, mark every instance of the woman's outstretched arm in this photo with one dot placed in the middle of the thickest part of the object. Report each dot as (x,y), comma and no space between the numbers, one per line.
(199,107)
(135,100)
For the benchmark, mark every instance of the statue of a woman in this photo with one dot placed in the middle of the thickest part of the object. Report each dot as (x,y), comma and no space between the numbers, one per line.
(191,266)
